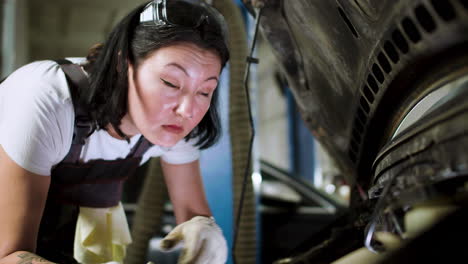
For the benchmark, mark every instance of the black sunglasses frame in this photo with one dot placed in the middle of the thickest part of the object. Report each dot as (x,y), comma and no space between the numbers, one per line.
(156,11)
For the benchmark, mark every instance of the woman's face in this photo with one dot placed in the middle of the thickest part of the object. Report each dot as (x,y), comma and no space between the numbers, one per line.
(170,92)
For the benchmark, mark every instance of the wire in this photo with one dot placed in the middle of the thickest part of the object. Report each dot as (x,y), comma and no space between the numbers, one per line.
(250,60)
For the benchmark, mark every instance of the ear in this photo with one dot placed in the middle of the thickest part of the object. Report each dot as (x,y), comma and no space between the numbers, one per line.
(120,61)
(130,68)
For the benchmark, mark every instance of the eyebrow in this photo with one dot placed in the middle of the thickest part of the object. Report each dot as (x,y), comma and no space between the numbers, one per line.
(186,73)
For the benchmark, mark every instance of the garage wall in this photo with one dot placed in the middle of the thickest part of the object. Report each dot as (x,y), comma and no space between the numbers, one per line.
(272,123)
(273,131)
(51,29)
(14,35)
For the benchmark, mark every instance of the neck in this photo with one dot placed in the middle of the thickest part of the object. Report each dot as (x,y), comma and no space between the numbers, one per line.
(110,129)
(126,126)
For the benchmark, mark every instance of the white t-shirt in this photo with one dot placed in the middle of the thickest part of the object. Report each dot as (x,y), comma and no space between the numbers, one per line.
(37,122)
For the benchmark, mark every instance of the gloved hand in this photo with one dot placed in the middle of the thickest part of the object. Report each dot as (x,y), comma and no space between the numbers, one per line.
(204,242)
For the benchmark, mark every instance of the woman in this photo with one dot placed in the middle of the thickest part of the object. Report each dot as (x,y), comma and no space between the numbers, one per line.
(66,143)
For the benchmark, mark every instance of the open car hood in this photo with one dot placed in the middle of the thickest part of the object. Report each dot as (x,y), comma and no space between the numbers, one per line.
(347,63)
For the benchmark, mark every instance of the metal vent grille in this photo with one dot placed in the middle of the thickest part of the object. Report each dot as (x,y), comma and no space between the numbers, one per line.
(408,32)
(444,9)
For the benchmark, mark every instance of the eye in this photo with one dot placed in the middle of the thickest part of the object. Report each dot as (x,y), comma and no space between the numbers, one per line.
(169,84)
(204,94)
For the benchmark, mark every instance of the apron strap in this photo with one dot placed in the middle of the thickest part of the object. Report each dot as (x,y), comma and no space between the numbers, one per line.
(140,148)
(77,81)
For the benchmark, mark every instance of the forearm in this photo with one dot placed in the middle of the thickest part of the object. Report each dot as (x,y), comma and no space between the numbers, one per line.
(185,188)
(24,257)
(186,213)
(186,209)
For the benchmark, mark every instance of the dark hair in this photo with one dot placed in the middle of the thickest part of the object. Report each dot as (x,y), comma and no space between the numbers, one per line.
(132,41)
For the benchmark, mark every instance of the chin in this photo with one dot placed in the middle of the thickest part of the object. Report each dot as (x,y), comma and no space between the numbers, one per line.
(163,141)
(167,145)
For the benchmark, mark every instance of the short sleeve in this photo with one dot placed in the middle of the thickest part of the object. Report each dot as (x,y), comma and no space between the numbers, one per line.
(36,116)
(183,152)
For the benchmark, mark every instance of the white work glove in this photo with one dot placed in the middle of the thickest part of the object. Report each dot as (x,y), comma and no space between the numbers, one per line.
(204,242)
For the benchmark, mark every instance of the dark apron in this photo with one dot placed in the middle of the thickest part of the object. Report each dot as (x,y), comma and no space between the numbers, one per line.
(96,183)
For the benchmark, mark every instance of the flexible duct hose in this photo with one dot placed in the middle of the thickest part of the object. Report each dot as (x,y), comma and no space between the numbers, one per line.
(240,132)
(149,212)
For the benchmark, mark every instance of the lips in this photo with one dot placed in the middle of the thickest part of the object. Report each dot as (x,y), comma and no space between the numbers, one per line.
(173,129)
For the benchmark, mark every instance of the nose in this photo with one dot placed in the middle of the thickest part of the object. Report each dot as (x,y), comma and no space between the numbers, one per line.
(185,107)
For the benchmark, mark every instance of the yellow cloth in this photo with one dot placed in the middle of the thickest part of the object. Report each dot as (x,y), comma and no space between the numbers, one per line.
(102,235)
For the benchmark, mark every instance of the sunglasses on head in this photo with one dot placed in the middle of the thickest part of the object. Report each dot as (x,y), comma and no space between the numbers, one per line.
(163,12)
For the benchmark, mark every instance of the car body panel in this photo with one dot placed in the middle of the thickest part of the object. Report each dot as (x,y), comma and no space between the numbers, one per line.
(348,63)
